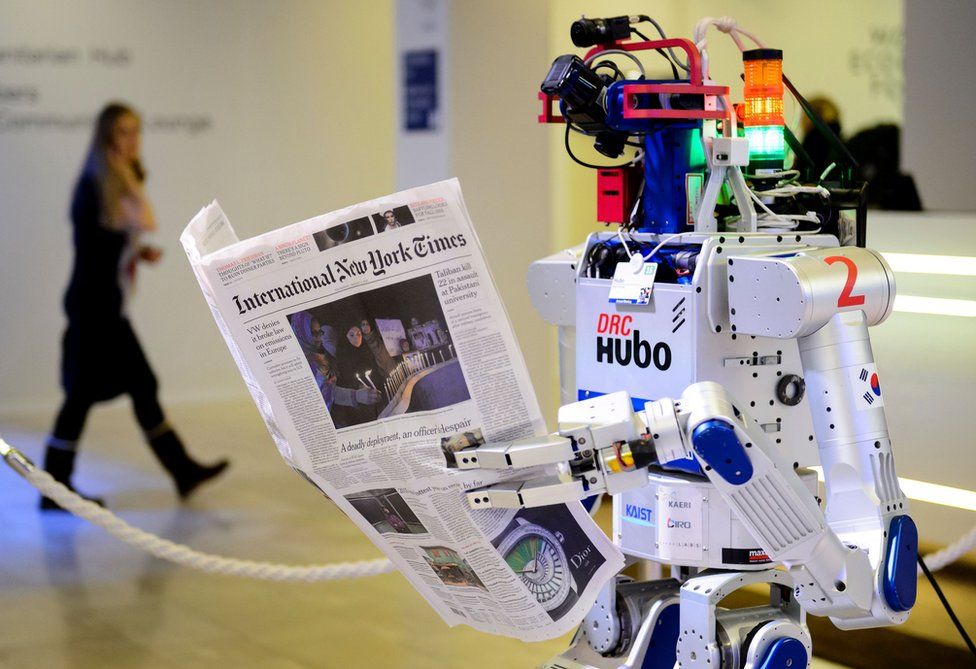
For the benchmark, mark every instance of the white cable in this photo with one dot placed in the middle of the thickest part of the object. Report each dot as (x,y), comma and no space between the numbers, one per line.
(178,553)
(733,130)
(751,36)
(738,42)
(810,216)
(661,245)
(725,24)
(637,202)
(791,222)
(830,168)
(769,211)
(777,225)
(620,236)
(790,191)
(783,175)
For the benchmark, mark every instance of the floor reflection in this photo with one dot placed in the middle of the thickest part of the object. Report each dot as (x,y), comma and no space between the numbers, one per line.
(72,597)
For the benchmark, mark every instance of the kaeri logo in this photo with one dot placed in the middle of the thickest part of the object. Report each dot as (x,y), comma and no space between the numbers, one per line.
(639,515)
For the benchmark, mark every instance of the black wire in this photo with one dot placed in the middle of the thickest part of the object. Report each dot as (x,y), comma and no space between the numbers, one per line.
(674,69)
(590,165)
(612,65)
(945,604)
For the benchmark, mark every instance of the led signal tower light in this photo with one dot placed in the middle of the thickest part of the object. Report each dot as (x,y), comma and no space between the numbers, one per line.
(763,117)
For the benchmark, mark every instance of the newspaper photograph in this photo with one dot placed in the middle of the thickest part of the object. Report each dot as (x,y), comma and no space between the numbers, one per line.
(375,346)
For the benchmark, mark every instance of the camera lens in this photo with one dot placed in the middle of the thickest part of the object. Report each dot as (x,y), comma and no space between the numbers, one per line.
(587,32)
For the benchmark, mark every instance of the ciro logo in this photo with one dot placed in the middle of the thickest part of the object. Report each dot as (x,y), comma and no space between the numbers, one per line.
(679,524)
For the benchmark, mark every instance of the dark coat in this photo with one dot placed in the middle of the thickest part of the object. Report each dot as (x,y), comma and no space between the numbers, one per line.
(101,356)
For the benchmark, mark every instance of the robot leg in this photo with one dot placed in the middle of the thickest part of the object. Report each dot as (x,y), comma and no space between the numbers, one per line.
(632,625)
(655,624)
(770,636)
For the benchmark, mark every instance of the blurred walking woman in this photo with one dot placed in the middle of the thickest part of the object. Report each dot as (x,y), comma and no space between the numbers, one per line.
(101,356)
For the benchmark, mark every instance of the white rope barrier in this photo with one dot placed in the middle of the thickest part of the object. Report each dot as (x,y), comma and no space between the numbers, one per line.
(178,553)
(270,571)
(939,559)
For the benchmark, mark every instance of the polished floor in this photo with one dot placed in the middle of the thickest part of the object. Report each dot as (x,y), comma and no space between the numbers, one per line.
(72,597)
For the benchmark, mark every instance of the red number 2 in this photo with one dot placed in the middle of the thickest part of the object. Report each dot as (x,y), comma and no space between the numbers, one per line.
(846,299)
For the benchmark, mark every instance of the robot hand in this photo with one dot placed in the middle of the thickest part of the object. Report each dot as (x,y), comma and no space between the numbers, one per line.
(599,447)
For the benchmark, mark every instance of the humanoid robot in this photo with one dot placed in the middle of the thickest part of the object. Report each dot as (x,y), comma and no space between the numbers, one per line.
(721,347)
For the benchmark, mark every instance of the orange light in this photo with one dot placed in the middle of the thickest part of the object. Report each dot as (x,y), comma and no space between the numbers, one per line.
(763,90)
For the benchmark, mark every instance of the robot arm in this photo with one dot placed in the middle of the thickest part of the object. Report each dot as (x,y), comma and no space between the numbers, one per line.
(826,299)
(609,455)
(606,454)
(830,577)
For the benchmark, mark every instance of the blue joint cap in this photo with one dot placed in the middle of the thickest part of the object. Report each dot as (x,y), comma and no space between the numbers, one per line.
(664,641)
(689,465)
(715,442)
(900,581)
(784,653)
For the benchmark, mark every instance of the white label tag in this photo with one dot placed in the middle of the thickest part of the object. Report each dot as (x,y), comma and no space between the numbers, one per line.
(680,523)
(865,386)
(633,281)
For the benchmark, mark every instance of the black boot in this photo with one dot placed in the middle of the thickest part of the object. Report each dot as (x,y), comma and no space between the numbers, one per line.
(187,473)
(60,463)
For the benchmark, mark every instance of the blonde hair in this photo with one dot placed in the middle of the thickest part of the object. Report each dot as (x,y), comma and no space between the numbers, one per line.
(826,108)
(112,186)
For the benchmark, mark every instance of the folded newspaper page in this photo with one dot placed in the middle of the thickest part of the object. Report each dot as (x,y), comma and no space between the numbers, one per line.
(375,346)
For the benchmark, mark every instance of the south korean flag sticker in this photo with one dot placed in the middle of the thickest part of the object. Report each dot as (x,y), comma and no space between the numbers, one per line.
(865,386)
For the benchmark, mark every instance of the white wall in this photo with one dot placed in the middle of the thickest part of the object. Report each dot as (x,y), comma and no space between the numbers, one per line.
(423,156)
(500,154)
(927,364)
(299,97)
(938,145)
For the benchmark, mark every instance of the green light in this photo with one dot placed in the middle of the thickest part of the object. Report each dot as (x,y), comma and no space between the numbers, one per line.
(766,143)
(696,152)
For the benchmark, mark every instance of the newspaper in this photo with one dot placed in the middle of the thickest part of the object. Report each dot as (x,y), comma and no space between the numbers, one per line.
(375,346)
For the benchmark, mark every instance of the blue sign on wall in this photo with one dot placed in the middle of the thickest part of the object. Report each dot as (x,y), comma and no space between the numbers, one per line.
(420,90)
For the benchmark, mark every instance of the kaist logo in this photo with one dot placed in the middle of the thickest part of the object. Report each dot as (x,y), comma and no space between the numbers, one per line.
(613,349)
(639,515)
